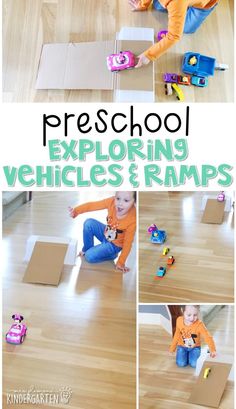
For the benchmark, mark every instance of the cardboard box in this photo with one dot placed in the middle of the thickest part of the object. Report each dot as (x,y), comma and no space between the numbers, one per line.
(208,391)
(70,257)
(83,66)
(46,263)
(214,212)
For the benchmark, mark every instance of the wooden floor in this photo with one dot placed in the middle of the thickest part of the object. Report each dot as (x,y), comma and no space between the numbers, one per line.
(204,266)
(81,334)
(162,385)
(27,24)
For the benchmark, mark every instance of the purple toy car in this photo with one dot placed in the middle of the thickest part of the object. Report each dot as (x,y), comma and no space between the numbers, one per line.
(122,61)
(17,332)
(161,34)
(168,77)
(152,228)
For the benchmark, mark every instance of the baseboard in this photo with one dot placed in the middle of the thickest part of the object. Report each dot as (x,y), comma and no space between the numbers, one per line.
(155,319)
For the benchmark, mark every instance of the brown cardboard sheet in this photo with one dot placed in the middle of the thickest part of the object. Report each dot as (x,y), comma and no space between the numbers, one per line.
(209,391)
(137,79)
(46,263)
(83,66)
(213,212)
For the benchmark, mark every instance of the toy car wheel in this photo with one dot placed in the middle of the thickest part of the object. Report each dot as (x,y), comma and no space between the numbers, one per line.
(22,339)
(178,98)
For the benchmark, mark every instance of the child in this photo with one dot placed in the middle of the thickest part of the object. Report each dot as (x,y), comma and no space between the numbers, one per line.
(187,338)
(116,236)
(184,16)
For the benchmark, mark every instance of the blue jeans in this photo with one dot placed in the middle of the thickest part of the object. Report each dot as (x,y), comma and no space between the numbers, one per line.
(187,356)
(102,252)
(194,16)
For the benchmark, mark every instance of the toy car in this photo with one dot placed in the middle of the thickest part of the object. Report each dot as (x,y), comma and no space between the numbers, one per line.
(161,272)
(165,251)
(158,236)
(184,79)
(161,34)
(152,228)
(198,64)
(199,81)
(221,197)
(178,91)
(206,373)
(168,89)
(168,77)
(17,332)
(121,61)
(170,260)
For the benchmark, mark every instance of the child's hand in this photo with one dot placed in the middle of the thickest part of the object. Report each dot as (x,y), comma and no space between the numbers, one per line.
(122,267)
(142,60)
(213,354)
(72,212)
(171,353)
(136,6)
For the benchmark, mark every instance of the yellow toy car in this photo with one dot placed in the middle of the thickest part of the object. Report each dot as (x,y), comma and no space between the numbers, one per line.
(178,91)
(165,251)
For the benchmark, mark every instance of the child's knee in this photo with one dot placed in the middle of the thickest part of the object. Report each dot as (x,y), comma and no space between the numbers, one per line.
(88,223)
(89,257)
(193,364)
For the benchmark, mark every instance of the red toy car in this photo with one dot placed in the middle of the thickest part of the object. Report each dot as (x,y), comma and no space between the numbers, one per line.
(184,79)
(122,61)
(17,332)
(170,260)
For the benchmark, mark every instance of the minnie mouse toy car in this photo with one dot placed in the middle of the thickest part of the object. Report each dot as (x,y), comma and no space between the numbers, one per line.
(17,332)
(121,61)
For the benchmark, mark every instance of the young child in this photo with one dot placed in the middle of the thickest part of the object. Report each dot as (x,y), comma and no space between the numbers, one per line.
(184,16)
(187,338)
(116,236)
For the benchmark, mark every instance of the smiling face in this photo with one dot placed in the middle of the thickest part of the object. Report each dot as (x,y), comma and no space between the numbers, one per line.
(123,203)
(190,314)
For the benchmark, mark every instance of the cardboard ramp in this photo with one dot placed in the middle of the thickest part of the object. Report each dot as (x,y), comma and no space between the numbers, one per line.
(214,212)
(70,257)
(208,391)
(46,263)
(83,66)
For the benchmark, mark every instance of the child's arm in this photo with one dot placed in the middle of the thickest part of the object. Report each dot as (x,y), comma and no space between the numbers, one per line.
(89,207)
(208,339)
(177,10)
(175,339)
(127,244)
(139,5)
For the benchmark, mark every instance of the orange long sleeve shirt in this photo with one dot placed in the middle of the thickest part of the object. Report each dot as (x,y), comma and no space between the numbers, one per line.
(177,10)
(120,231)
(190,335)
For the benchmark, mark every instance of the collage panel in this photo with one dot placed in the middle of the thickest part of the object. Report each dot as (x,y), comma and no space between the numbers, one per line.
(186,356)
(69,318)
(53,51)
(186,247)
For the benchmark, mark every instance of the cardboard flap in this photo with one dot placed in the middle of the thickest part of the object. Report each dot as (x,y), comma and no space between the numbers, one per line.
(135,79)
(52,66)
(46,263)
(214,212)
(208,391)
(87,66)
(75,66)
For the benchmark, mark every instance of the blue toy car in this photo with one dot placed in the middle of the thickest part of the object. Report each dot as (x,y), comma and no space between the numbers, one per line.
(161,272)
(158,237)
(198,64)
(199,81)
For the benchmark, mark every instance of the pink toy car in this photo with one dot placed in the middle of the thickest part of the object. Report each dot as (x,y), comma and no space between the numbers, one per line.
(221,197)
(17,332)
(122,61)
